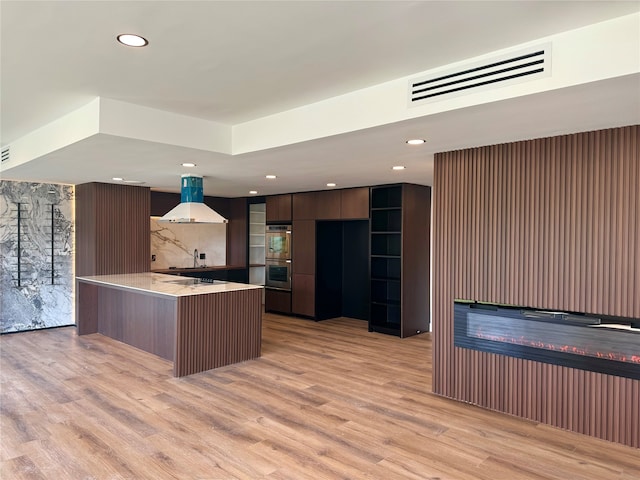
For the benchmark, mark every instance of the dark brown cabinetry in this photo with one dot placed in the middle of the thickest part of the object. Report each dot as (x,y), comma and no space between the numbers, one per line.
(326,208)
(324,205)
(237,233)
(278,208)
(303,267)
(328,205)
(303,299)
(304,246)
(346,204)
(400,231)
(277,301)
(304,206)
(354,203)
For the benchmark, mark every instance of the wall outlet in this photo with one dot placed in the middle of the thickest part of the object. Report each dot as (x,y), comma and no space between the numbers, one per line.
(203,256)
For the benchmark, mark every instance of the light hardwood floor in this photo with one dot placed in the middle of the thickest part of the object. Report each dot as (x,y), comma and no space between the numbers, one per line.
(326,400)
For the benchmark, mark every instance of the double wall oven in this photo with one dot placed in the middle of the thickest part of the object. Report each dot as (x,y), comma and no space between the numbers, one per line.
(278,257)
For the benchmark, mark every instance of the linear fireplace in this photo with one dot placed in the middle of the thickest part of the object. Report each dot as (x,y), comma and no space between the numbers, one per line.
(603,344)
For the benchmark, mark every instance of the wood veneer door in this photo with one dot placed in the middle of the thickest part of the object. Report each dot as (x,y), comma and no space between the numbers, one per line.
(354,203)
(303,295)
(237,232)
(303,241)
(304,206)
(278,208)
(328,205)
(277,301)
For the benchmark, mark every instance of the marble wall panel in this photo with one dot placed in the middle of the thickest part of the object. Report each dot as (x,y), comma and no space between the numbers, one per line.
(36,255)
(173,244)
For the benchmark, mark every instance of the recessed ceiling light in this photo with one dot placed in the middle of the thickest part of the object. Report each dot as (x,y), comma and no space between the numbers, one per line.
(270,177)
(331,184)
(253,192)
(131,40)
(188,164)
(134,182)
(399,167)
(416,141)
(117,179)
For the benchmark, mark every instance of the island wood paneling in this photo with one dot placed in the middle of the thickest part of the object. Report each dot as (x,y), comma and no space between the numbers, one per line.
(548,223)
(216,330)
(112,229)
(146,322)
(87,315)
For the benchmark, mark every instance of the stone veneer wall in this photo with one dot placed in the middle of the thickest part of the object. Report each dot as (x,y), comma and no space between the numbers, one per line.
(43,297)
(173,244)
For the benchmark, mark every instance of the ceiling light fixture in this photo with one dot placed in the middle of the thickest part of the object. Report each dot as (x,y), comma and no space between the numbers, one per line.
(331,184)
(253,192)
(134,182)
(188,164)
(131,40)
(416,141)
(398,167)
(270,177)
(117,179)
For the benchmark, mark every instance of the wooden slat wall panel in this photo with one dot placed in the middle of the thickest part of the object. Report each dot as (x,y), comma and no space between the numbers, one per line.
(216,330)
(548,223)
(112,229)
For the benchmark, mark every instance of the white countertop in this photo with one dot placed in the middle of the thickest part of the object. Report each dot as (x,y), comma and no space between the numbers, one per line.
(167,285)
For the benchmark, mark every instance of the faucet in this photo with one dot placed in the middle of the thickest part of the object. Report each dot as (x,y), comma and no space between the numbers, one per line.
(195,258)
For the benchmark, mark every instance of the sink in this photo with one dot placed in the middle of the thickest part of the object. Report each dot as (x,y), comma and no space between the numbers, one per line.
(195,281)
(184,281)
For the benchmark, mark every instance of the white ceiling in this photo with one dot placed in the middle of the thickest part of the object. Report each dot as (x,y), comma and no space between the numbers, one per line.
(233,62)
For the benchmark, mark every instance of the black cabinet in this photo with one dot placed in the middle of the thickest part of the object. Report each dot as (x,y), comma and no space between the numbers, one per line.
(342,272)
(399,260)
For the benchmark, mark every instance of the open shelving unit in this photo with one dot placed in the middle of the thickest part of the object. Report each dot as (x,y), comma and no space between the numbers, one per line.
(400,217)
(257,222)
(386,257)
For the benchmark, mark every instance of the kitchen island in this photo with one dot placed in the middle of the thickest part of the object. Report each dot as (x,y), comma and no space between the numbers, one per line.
(196,325)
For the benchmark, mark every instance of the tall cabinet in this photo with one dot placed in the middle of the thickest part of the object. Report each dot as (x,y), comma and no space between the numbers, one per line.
(399,259)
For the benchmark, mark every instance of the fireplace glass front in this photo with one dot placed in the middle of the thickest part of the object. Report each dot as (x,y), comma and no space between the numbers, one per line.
(596,343)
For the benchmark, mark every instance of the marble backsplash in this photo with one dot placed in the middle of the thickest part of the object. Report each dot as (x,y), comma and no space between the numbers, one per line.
(36,255)
(173,244)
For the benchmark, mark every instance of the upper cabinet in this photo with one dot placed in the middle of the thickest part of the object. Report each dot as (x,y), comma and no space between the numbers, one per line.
(328,205)
(354,203)
(346,204)
(324,205)
(278,208)
(304,206)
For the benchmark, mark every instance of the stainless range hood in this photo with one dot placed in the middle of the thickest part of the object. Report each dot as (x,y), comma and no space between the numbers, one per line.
(191,208)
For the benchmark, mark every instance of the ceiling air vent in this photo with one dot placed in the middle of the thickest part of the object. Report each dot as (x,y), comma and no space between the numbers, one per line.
(524,65)
(5,154)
